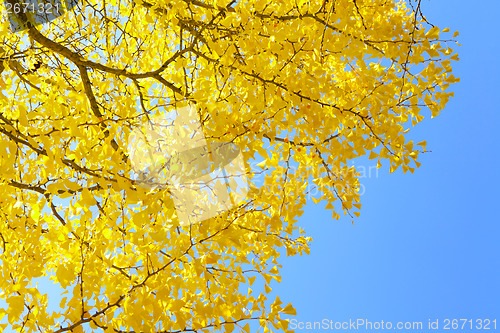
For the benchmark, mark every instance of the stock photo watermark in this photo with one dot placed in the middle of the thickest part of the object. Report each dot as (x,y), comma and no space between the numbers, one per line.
(360,172)
(20,12)
(205,178)
(379,325)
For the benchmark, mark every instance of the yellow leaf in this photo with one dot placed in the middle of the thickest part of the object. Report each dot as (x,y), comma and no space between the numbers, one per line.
(229,327)
(422,144)
(107,233)
(289,310)
(372,155)
(78,329)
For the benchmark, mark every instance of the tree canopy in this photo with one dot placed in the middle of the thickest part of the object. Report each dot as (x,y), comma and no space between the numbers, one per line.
(302,87)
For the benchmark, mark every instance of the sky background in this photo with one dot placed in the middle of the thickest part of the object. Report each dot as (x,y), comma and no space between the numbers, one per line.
(427,244)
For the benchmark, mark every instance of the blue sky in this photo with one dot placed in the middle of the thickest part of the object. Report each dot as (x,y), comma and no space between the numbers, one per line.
(427,244)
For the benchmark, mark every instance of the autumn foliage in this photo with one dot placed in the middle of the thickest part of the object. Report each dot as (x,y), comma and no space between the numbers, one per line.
(302,87)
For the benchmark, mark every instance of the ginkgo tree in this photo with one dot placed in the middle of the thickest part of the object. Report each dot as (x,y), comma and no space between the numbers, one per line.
(303,87)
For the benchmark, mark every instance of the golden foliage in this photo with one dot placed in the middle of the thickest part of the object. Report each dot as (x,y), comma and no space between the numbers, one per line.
(304,85)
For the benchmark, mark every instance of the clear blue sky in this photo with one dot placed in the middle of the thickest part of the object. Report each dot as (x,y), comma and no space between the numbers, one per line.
(427,245)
